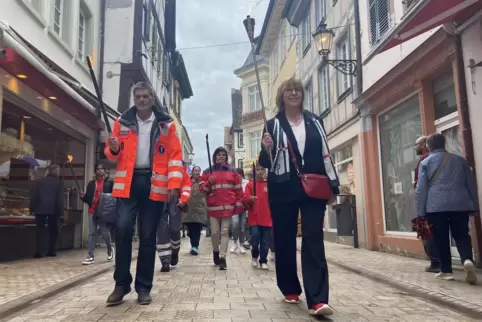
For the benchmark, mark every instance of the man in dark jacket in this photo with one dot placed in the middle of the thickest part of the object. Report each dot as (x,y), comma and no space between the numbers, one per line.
(47,204)
(100,184)
(428,244)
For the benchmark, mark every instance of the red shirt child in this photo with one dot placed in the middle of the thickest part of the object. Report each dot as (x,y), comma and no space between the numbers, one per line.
(258,212)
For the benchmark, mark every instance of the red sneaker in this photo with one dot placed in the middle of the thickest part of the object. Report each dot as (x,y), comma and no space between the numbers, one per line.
(321,309)
(295,299)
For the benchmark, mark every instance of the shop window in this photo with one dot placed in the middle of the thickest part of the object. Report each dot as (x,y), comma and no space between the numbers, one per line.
(343,160)
(28,145)
(452,140)
(399,128)
(444,96)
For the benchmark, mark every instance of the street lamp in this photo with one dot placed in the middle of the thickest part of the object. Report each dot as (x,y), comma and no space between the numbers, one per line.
(324,41)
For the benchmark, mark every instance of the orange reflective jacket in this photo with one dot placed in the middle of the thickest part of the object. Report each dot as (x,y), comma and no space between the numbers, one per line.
(165,155)
(186,187)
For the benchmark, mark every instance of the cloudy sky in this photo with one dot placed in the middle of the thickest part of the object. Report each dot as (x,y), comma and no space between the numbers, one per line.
(208,23)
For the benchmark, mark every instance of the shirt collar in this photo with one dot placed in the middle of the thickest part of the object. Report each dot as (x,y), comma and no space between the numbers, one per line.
(150,119)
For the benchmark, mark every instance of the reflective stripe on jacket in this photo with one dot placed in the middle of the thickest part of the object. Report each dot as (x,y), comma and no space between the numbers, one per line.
(225,197)
(165,155)
(186,187)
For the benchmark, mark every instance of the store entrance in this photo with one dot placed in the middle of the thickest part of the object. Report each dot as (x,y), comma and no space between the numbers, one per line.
(28,145)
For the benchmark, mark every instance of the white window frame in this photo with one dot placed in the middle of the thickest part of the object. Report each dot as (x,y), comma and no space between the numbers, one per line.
(293,33)
(320,6)
(60,11)
(324,90)
(253,92)
(37,5)
(254,143)
(343,81)
(378,33)
(282,45)
(308,99)
(82,35)
(306,30)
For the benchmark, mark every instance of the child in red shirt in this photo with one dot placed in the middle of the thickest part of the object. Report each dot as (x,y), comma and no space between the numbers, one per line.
(259,218)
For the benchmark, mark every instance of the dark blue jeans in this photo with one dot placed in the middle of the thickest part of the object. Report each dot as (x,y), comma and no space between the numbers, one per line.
(148,213)
(260,242)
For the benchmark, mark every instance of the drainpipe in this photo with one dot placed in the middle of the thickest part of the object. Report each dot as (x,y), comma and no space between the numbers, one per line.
(101,70)
(467,130)
(358,51)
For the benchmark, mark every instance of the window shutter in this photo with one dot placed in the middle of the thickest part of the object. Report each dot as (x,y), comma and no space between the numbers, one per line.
(379,19)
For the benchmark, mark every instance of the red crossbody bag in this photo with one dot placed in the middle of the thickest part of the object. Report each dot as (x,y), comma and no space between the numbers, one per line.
(316,186)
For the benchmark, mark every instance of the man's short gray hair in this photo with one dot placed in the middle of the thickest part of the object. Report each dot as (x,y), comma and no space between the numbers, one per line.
(143,86)
(422,139)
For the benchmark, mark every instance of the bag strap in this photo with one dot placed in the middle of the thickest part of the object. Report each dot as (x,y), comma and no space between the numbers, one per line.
(439,169)
(293,157)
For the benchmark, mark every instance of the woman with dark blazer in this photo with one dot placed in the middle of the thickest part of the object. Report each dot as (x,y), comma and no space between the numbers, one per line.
(305,132)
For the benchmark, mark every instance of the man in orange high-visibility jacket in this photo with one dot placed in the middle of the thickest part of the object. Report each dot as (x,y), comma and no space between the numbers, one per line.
(169,231)
(149,173)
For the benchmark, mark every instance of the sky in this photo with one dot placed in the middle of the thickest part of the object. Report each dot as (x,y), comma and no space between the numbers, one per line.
(210,69)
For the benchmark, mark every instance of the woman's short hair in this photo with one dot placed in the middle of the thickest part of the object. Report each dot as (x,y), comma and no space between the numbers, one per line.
(435,141)
(290,83)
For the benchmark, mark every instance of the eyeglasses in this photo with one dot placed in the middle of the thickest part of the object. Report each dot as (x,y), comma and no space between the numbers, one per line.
(296,90)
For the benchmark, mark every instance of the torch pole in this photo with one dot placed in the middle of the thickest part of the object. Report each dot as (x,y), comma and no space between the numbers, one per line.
(209,154)
(249,26)
(99,95)
(254,179)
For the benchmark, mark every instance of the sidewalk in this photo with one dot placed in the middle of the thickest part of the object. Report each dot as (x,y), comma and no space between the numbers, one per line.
(409,275)
(196,291)
(26,281)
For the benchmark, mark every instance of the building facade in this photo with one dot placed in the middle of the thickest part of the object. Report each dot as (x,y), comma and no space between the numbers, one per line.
(251,123)
(47,111)
(228,145)
(236,130)
(329,93)
(415,84)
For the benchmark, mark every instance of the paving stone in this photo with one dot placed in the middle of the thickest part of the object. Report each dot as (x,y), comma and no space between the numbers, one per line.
(196,291)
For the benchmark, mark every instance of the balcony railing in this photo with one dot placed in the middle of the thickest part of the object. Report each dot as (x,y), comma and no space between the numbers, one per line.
(252,116)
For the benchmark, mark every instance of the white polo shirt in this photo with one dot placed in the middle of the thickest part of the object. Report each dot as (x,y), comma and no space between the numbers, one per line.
(144,142)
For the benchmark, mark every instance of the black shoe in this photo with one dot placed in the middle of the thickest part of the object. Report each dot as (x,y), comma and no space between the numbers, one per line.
(38,255)
(208,234)
(432,269)
(194,251)
(222,264)
(216,258)
(51,254)
(117,296)
(165,268)
(174,259)
(143,298)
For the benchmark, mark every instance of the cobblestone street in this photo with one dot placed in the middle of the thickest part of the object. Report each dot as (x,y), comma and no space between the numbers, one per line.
(196,291)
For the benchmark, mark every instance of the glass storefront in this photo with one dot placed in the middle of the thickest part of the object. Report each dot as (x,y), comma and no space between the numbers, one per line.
(343,159)
(28,145)
(399,128)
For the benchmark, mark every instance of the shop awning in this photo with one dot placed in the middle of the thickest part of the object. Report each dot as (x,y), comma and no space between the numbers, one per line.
(424,15)
(19,62)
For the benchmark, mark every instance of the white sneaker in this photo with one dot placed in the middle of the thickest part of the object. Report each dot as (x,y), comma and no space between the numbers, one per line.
(241,250)
(88,261)
(322,310)
(110,255)
(254,262)
(444,276)
(264,266)
(272,257)
(235,248)
(470,276)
